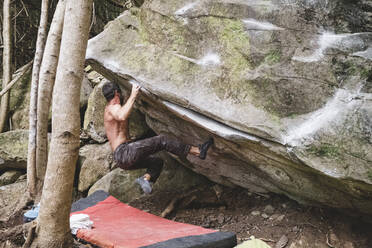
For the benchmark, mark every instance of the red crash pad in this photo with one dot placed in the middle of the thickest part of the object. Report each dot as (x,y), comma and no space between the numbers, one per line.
(117,225)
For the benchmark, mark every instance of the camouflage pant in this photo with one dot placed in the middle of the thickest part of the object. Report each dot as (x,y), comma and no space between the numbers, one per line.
(139,154)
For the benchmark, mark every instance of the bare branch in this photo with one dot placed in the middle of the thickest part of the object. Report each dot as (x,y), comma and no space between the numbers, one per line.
(21,72)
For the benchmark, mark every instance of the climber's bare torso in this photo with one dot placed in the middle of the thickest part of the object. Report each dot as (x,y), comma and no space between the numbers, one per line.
(117,131)
(116,118)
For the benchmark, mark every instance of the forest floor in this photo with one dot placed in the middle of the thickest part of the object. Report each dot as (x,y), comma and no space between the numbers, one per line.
(267,217)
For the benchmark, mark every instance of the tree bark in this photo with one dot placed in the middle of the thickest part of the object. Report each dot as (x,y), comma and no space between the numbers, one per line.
(7,71)
(31,155)
(46,83)
(53,228)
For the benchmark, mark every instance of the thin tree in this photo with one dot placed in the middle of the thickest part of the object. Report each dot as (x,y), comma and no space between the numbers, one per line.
(53,228)
(7,62)
(40,44)
(46,83)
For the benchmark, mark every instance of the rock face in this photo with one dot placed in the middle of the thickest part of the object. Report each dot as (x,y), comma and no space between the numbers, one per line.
(9,177)
(285,87)
(86,90)
(94,162)
(9,198)
(93,119)
(10,194)
(13,150)
(120,183)
(19,103)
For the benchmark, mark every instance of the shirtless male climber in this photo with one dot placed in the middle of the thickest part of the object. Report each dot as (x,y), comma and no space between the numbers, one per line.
(131,155)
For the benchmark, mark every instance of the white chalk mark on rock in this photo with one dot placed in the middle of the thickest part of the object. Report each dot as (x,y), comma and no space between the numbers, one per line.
(209,59)
(184,9)
(325,40)
(333,110)
(257,25)
(367,54)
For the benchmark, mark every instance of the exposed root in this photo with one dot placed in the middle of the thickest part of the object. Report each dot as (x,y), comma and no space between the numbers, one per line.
(30,235)
(15,232)
(267,240)
(174,202)
(171,206)
(206,195)
(16,209)
(327,241)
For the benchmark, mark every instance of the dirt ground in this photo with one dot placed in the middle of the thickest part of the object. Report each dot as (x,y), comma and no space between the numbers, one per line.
(267,217)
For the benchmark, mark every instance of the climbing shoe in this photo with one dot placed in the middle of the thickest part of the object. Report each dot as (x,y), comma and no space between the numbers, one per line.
(203,148)
(144,184)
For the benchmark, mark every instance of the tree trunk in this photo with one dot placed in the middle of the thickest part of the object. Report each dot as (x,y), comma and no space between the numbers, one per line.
(53,228)
(46,83)
(31,155)
(7,73)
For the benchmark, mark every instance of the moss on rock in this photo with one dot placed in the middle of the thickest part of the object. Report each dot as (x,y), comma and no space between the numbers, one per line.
(325,150)
(273,57)
(19,102)
(13,149)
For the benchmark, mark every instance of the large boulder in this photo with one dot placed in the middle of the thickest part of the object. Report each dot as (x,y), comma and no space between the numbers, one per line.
(284,87)
(13,149)
(94,162)
(93,119)
(10,177)
(10,194)
(120,184)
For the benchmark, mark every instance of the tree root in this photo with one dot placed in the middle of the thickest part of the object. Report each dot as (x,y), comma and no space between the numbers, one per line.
(205,195)
(17,208)
(16,231)
(188,197)
(327,241)
(171,206)
(30,235)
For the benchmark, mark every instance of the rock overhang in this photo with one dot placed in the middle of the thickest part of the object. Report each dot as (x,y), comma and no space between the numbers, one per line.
(186,79)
